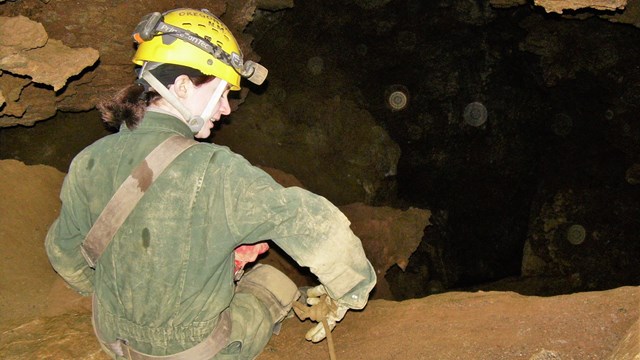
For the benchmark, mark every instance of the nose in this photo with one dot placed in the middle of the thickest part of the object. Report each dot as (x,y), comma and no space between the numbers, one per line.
(225,108)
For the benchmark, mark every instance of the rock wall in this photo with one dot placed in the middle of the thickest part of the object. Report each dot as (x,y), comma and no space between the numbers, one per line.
(580,235)
(34,67)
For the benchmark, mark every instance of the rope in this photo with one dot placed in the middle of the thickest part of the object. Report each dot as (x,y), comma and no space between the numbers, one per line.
(318,313)
(332,349)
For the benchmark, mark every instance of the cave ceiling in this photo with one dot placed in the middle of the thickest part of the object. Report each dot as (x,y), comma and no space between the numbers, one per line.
(73,53)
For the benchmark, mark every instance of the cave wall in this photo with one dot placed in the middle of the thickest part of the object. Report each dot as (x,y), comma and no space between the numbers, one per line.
(507,108)
(511,120)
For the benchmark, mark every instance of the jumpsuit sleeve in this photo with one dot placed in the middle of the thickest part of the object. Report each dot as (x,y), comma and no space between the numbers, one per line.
(63,242)
(306,226)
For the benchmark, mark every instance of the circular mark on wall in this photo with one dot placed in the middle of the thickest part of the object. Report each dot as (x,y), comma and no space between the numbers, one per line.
(609,114)
(397,97)
(562,124)
(632,175)
(315,65)
(362,49)
(475,114)
(406,40)
(576,234)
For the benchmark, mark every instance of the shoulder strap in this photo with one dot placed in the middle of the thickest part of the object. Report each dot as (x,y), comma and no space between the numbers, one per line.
(128,194)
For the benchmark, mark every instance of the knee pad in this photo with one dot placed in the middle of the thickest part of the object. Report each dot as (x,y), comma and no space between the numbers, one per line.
(273,288)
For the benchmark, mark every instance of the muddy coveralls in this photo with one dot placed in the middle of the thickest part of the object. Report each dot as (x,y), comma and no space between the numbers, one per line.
(168,272)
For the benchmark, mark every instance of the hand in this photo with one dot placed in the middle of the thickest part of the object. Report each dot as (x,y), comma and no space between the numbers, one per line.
(323,307)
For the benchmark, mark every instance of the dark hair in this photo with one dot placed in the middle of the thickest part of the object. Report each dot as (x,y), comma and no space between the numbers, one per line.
(128,105)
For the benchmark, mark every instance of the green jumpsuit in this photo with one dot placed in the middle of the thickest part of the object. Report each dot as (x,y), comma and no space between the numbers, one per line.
(168,272)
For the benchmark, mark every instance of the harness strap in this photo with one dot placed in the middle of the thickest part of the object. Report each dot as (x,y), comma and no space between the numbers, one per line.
(209,347)
(128,194)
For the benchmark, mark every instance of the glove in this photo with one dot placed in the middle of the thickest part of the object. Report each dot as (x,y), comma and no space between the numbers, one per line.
(327,309)
(244,254)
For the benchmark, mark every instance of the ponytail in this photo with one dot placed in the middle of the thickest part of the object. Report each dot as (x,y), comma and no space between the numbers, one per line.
(126,106)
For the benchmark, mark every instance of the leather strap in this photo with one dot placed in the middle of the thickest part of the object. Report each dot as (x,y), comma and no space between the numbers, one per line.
(128,194)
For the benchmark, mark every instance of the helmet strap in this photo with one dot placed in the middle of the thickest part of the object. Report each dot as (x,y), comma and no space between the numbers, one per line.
(215,99)
(195,123)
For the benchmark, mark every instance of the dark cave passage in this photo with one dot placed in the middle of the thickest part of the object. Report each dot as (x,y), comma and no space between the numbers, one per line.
(557,120)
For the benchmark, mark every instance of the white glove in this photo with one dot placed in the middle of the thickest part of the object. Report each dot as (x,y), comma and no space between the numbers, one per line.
(335,312)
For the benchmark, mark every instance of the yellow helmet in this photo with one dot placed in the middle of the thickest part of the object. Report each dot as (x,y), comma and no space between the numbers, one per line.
(192,38)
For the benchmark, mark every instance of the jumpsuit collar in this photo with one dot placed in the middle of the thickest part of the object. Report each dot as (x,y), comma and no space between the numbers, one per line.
(160,122)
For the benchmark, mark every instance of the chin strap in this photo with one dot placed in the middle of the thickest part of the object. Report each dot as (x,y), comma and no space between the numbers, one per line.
(194,122)
(215,99)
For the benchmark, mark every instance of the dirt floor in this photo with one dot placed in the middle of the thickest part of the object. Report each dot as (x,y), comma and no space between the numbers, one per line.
(41,318)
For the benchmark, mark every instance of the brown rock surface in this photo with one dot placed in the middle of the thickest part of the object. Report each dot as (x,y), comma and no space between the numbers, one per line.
(28,205)
(31,36)
(629,347)
(52,64)
(482,325)
(389,237)
(451,326)
(559,6)
(29,55)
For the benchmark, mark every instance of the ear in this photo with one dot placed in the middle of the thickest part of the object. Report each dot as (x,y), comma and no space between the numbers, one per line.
(182,86)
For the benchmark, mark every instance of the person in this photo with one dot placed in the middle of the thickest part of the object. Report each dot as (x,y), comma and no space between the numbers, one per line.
(169,283)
